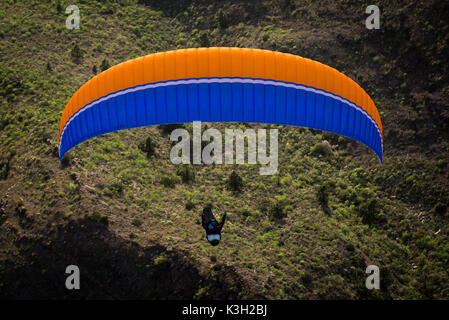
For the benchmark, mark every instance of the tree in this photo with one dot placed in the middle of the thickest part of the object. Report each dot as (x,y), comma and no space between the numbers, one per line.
(223,20)
(104,65)
(76,54)
(322,195)
(186,173)
(147,146)
(58,7)
(235,182)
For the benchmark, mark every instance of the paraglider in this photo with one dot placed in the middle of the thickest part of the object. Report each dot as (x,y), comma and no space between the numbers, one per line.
(221,85)
(212,226)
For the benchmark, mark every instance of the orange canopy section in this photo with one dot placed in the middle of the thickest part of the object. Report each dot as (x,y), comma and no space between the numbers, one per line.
(235,64)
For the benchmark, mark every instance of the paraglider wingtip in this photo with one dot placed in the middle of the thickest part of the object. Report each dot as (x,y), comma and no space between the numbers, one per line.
(381,160)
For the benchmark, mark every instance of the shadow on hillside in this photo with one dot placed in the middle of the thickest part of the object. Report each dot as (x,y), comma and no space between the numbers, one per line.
(111,268)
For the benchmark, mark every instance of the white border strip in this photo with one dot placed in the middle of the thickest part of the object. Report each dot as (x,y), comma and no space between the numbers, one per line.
(215,80)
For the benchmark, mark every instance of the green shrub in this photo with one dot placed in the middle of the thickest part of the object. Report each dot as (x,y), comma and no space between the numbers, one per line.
(186,173)
(322,195)
(147,146)
(20,209)
(168,128)
(116,187)
(3,218)
(202,293)
(307,279)
(73,188)
(4,169)
(107,8)
(169,181)
(66,160)
(278,207)
(235,182)
(162,260)
(223,20)
(439,209)
(323,149)
(99,218)
(76,54)
(386,279)
(265,37)
(136,222)
(189,205)
(277,211)
(58,7)
(370,211)
(104,65)
(204,39)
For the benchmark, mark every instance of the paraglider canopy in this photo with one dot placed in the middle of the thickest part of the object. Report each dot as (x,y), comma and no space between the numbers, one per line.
(220,85)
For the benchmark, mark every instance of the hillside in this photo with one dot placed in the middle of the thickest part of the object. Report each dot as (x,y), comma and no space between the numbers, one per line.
(132,224)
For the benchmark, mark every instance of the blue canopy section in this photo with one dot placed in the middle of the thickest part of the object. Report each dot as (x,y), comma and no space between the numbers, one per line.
(221,100)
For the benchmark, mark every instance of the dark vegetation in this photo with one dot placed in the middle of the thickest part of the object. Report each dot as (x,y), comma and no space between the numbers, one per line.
(235,182)
(148,146)
(104,65)
(187,173)
(130,219)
